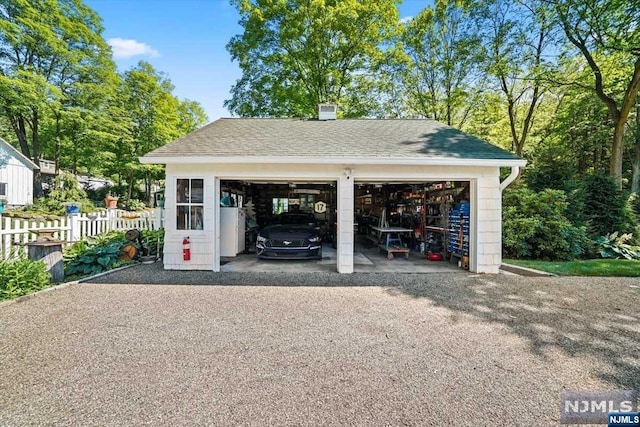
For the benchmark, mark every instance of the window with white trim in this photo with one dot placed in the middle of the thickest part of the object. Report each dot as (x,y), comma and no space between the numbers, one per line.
(3,189)
(189,204)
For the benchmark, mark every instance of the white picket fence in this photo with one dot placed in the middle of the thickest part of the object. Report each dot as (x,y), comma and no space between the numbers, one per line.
(14,232)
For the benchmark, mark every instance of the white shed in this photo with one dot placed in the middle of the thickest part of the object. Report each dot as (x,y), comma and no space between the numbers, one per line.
(342,155)
(16,176)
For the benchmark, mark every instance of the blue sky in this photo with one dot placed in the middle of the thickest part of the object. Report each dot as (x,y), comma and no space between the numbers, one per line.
(186,40)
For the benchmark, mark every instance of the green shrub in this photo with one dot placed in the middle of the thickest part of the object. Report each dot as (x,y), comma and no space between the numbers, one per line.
(634,204)
(606,208)
(21,277)
(535,226)
(549,168)
(132,204)
(66,189)
(154,241)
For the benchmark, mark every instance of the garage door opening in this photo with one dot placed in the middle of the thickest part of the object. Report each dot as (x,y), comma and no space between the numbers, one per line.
(408,227)
(412,227)
(277,226)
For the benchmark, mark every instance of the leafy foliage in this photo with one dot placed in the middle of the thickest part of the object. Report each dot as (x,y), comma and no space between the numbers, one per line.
(97,254)
(606,209)
(600,30)
(132,204)
(516,38)
(535,226)
(154,241)
(52,54)
(297,54)
(612,246)
(66,189)
(634,203)
(21,277)
(444,51)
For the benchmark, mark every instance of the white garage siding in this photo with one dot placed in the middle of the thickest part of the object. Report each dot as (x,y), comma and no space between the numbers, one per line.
(486,225)
(485,232)
(344,151)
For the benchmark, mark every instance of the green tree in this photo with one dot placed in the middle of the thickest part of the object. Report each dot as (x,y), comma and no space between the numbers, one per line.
(154,117)
(606,207)
(599,29)
(48,49)
(581,132)
(635,181)
(296,54)
(442,75)
(516,36)
(192,116)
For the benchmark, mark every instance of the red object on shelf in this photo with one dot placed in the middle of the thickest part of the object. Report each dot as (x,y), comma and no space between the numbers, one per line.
(431,256)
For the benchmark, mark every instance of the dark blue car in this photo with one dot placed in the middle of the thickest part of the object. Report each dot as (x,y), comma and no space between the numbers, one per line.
(291,236)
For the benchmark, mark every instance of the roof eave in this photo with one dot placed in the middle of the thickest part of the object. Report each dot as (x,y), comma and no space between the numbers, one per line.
(424,161)
(18,155)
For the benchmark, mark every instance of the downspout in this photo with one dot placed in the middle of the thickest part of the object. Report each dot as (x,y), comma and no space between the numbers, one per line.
(515,170)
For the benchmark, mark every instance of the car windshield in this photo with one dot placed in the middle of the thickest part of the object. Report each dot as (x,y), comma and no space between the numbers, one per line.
(295,219)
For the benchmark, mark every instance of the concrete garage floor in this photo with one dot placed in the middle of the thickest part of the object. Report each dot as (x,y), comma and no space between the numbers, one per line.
(366,259)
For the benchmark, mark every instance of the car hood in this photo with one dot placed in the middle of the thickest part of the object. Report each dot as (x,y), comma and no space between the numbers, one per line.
(284,231)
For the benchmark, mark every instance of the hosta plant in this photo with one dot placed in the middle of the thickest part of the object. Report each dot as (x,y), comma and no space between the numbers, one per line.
(612,246)
(95,260)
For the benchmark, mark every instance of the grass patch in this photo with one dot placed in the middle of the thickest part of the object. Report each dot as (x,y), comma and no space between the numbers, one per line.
(591,267)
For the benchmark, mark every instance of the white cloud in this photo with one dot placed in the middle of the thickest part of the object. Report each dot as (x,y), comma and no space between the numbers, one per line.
(123,48)
(406,19)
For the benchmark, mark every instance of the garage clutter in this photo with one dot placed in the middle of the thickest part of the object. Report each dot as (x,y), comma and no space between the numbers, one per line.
(431,219)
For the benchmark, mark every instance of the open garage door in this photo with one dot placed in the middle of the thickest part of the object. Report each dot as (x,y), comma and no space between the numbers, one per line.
(277,226)
(412,227)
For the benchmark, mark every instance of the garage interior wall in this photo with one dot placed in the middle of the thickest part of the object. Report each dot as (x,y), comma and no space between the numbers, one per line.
(485,227)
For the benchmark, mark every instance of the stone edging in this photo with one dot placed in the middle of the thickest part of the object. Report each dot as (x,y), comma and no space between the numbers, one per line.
(514,269)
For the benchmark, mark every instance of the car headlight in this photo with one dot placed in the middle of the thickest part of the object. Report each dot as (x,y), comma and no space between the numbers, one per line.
(261,239)
(315,239)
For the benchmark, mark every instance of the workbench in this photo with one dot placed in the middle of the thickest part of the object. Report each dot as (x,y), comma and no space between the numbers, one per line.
(388,239)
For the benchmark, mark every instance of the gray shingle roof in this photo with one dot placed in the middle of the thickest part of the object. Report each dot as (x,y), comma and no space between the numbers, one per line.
(362,138)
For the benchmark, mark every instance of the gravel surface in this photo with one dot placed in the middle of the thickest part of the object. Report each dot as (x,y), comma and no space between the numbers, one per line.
(406,349)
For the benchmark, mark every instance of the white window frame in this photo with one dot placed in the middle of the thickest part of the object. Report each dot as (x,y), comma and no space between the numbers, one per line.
(190,222)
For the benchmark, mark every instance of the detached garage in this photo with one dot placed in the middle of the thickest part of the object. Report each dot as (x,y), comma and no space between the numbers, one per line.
(360,178)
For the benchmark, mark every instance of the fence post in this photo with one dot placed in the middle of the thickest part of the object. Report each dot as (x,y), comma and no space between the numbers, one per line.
(157,218)
(111,218)
(74,224)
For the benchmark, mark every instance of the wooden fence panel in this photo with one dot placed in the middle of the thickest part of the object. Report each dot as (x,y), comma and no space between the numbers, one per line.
(15,232)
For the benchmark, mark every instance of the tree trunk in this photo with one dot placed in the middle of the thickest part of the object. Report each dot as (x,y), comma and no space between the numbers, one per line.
(17,123)
(635,181)
(148,194)
(56,154)
(131,181)
(615,165)
(35,145)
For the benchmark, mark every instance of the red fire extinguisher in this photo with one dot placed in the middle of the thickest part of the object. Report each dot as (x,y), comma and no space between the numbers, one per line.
(186,249)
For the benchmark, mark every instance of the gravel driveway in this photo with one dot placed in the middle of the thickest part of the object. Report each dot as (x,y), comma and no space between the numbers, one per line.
(436,349)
